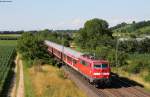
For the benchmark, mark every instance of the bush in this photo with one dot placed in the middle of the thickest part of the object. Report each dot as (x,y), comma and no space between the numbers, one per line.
(147,78)
(122,58)
(135,68)
(139,62)
(108,53)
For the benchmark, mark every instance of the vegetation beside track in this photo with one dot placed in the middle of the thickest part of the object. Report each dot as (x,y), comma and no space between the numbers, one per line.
(43,80)
(131,56)
(28,88)
(49,82)
(139,78)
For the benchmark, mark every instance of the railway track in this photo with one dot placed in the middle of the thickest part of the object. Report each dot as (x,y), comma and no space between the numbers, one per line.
(89,87)
(138,92)
(119,88)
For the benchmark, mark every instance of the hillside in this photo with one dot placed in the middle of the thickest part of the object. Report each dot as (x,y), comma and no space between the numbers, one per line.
(134,28)
(137,64)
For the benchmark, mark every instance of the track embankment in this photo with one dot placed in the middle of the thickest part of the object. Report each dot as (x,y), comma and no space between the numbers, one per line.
(120,87)
(79,82)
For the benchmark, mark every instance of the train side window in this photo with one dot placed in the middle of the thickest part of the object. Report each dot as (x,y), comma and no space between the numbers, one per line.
(74,62)
(84,63)
(64,56)
(81,62)
(69,59)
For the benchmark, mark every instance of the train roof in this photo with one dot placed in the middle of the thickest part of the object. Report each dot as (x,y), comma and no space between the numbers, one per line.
(64,49)
(88,59)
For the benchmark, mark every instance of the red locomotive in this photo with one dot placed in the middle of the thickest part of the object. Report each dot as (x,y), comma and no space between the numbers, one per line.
(96,71)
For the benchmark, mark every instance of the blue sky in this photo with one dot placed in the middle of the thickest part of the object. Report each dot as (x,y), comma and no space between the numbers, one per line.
(69,14)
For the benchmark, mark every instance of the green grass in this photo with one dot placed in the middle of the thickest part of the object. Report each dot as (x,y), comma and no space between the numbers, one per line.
(9,36)
(8,42)
(27,82)
(122,29)
(145,29)
(128,31)
(136,77)
(50,82)
(138,69)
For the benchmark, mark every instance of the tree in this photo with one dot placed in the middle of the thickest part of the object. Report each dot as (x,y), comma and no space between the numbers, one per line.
(95,32)
(97,27)
(31,46)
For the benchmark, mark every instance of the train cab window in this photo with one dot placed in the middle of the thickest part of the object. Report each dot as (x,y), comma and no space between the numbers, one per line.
(101,66)
(104,65)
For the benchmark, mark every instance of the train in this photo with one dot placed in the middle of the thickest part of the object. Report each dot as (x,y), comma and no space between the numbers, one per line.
(97,71)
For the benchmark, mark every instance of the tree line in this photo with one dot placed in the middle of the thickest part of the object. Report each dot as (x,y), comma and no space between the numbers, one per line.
(32,48)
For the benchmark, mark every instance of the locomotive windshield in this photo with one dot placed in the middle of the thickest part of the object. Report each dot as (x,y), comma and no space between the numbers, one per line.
(100,66)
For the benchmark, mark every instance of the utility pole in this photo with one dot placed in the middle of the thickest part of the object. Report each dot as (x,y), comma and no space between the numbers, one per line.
(117,45)
(62,42)
(116,55)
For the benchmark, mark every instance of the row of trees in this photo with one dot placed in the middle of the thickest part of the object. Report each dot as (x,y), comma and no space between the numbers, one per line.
(135,46)
(31,45)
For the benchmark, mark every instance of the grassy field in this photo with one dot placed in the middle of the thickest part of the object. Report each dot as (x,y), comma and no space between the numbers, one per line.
(137,69)
(8,42)
(50,82)
(9,36)
(136,77)
(27,82)
(12,35)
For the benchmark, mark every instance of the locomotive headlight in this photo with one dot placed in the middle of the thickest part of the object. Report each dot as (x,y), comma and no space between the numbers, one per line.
(96,73)
(105,73)
(100,73)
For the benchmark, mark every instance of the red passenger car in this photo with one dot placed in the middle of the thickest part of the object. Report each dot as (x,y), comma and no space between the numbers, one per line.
(96,71)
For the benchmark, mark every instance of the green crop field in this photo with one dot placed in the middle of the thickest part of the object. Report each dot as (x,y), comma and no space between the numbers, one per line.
(9,36)
(8,42)
(6,56)
(12,35)
(7,52)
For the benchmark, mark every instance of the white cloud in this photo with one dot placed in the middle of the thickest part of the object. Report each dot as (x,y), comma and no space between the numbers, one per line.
(75,23)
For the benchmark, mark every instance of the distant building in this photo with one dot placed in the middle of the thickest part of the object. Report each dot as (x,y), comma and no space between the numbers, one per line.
(124,39)
(138,39)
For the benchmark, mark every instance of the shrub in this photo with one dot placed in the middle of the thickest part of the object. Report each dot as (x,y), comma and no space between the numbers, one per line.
(136,67)
(147,78)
